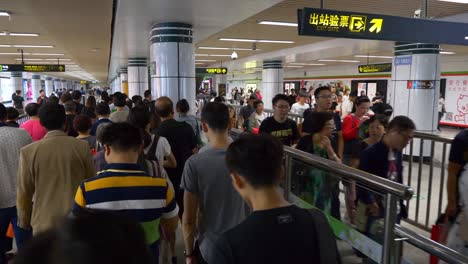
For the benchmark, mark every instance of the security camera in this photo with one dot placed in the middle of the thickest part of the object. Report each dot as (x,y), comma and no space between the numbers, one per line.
(417,13)
(234,55)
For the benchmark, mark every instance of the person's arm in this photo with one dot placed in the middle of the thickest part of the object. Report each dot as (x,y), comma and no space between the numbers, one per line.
(170,219)
(25,192)
(80,201)
(170,162)
(88,162)
(189,220)
(453,169)
(340,144)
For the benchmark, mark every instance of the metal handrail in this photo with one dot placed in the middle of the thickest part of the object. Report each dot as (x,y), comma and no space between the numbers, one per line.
(375,182)
(430,246)
(433,137)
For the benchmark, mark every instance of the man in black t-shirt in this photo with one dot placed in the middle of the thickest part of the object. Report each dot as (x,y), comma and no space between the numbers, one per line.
(458,158)
(276,231)
(279,125)
(183,143)
(18,101)
(246,111)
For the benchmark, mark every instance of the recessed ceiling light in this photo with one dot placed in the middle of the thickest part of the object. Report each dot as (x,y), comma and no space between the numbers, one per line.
(223,48)
(447,52)
(456,1)
(5,13)
(199,63)
(294,66)
(351,61)
(58,59)
(201,54)
(23,34)
(5,46)
(373,56)
(19,59)
(47,54)
(32,46)
(257,40)
(277,23)
(213,55)
(95,50)
(205,60)
(13,53)
(307,64)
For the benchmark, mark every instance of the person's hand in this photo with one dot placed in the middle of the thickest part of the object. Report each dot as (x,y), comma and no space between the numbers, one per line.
(374,209)
(191,260)
(364,118)
(451,210)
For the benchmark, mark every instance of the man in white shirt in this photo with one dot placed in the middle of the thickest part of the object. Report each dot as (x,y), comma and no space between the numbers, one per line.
(347,105)
(299,107)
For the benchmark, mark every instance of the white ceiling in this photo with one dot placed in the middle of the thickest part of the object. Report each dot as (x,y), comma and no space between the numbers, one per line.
(133,22)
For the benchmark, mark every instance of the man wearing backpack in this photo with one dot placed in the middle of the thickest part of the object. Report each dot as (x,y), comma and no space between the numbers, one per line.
(276,231)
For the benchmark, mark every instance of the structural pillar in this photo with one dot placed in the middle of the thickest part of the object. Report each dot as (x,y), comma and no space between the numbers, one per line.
(414,91)
(49,85)
(173,62)
(64,84)
(16,81)
(118,83)
(272,81)
(57,84)
(124,80)
(137,76)
(36,86)
(220,84)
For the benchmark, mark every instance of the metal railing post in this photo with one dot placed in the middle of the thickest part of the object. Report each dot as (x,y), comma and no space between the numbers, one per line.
(421,157)
(389,229)
(431,174)
(288,176)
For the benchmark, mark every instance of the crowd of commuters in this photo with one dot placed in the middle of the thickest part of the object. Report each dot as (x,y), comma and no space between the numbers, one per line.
(112,180)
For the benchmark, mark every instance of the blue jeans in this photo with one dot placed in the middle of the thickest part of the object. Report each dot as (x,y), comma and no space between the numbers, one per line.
(8,215)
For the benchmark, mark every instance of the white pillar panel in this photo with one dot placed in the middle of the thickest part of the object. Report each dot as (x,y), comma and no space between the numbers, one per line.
(57,84)
(173,62)
(118,84)
(64,84)
(16,83)
(36,86)
(137,76)
(49,85)
(272,81)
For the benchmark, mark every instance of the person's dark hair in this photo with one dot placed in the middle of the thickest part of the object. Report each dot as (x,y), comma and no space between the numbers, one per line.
(216,116)
(82,123)
(315,121)
(303,95)
(401,123)
(279,97)
(256,103)
(321,88)
(256,158)
(383,108)
(52,116)
(66,97)
(32,109)
(121,137)
(253,97)
(164,106)
(70,107)
(147,93)
(382,119)
(40,91)
(92,237)
(136,99)
(91,102)
(102,109)
(76,95)
(139,117)
(183,106)
(18,92)
(119,99)
(3,112)
(360,100)
(219,99)
(11,113)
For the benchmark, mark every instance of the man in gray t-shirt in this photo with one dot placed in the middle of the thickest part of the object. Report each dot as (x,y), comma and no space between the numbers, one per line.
(208,188)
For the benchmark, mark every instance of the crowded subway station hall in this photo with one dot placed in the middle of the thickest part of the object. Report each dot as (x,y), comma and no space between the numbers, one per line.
(232,132)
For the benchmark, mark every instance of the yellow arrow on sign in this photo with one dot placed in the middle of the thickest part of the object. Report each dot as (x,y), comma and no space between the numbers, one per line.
(377,25)
(60,68)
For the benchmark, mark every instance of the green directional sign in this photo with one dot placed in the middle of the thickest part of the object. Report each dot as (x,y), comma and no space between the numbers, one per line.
(342,24)
(373,68)
(31,68)
(212,70)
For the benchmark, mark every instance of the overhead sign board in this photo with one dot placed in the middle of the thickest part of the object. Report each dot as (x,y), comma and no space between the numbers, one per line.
(212,70)
(403,60)
(340,24)
(373,68)
(31,68)
(420,84)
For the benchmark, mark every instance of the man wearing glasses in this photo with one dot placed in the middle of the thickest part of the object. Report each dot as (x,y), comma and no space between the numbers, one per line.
(279,125)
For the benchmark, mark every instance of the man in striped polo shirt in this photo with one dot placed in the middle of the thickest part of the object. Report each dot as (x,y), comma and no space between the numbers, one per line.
(123,186)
